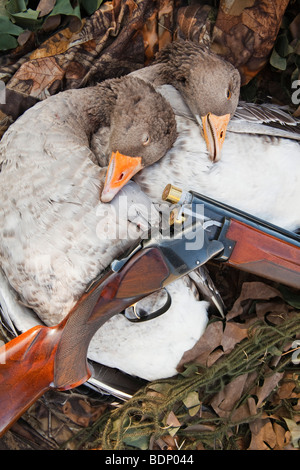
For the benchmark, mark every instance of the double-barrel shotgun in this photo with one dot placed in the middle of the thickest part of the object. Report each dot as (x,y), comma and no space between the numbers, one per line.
(199,229)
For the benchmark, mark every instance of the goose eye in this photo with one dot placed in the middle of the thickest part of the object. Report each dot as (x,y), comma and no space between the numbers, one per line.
(228,94)
(146,140)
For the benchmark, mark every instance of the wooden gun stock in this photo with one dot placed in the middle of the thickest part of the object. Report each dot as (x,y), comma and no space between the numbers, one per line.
(56,357)
(260,253)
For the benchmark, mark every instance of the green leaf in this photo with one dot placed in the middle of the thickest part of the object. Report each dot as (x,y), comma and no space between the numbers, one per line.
(291,297)
(3,11)
(277,61)
(274,351)
(282,45)
(7,27)
(90,6)
(16,6)
(140,442)
(26,18)
(7,42)
(64,7)
(190,369)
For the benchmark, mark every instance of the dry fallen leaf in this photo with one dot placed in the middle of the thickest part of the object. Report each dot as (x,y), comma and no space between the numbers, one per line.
(252,291)
(224,402)
(233,334)
(210,340)
(263,436)
(269,384)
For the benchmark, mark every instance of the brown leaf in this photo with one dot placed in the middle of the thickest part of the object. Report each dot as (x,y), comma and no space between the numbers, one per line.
(81,412)
(252,291)
(172,420)
(167,442)
(200,428)
(287,387)
(244,411)
(245,33)
(51,23)
(268,386)
(280,436)
(263,436)
(24,37)
(275,311)
(45,7)
(233,334)
(208,342)
(226,399)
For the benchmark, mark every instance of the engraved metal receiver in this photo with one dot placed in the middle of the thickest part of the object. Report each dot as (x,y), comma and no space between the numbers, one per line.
(185,247)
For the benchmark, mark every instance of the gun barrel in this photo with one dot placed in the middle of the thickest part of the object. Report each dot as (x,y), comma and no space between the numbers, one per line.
(252,244)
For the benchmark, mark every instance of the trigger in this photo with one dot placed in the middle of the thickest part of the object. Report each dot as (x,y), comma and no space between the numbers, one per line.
(138,313)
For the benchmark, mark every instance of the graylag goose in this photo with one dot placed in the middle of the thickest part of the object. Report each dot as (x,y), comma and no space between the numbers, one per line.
(50,185)
(257,173)
(55,233)
(260,158)
(212,96)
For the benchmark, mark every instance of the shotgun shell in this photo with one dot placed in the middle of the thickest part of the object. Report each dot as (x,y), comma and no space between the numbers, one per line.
(172,194)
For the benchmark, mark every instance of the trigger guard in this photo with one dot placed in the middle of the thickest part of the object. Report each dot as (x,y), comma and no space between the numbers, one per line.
(132,315)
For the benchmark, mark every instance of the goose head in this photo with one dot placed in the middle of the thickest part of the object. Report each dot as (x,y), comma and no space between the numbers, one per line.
(142,130)
(209,85)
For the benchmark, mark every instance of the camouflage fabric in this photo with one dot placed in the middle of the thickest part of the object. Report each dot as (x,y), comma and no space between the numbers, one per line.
(124,35)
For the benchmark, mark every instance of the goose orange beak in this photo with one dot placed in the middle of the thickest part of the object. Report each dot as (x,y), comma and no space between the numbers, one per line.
(214,130)
(121,169)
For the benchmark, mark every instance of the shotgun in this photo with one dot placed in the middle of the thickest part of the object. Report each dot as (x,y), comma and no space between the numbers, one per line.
(199,229)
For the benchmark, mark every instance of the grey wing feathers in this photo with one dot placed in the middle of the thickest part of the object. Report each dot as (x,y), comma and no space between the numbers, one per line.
(265,119)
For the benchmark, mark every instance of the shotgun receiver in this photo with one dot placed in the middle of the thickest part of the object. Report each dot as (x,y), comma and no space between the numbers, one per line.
(201,229)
